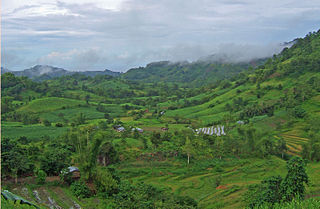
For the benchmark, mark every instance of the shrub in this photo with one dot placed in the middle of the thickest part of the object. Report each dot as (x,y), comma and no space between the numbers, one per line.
(299,112)
(66,176)
(40,176)
(59,125)
(46,123)
(80,189)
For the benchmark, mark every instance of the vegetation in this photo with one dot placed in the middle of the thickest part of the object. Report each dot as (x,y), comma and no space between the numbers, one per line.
(275,189)
(135,142)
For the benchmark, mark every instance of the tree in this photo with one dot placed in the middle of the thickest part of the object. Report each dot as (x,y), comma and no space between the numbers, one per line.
(281,147)
(156,139)
(14,159)
(315,152)
(54,159)
(46,122)
(80,119)
(87,97)
(299,112)
(41,176)
(268,191)
(188,149)
(107,154)
(275,189)
(87,150)
(293,185)
(272,191)
(104,181)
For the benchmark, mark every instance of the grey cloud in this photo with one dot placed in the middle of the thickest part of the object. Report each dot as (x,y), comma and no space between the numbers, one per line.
(143,31)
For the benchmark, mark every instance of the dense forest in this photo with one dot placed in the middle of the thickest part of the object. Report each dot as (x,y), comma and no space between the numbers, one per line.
(136,143)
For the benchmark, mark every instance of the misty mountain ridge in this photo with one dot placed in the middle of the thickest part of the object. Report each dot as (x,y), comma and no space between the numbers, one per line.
(45,72)
(196,73)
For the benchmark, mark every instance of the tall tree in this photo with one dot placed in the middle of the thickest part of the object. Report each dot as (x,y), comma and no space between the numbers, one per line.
(188,148)
(293,184)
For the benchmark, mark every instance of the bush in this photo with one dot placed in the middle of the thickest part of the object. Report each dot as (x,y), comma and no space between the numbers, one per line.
(59,125)
(299,112)
(105,182)
(40,176)
(46,123)
(66,176)
(80,189)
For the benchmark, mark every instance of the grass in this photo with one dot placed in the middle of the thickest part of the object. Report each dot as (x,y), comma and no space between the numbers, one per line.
(48,104)
(197,180)
(70,113)
(295,204)
(35,132)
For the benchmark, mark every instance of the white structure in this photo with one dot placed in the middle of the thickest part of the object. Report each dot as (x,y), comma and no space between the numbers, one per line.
(218,130)
(218,134)
(222,130)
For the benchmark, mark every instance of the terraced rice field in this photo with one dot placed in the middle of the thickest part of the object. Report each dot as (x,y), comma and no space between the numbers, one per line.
(200,182)
(294,143)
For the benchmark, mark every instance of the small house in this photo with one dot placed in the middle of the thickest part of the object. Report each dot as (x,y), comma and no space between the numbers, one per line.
(137,129)
(121,129)
(74,171)
(118,128)
(164,129)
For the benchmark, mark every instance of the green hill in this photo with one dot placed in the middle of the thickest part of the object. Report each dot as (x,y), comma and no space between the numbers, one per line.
(189,74)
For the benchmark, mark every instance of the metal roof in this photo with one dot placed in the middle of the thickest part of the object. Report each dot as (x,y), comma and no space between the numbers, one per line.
(72,169)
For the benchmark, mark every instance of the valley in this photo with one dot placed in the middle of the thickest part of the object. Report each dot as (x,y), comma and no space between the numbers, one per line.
(269,110)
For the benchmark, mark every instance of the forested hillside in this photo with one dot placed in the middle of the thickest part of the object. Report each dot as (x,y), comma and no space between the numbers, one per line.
(137,144)
(194,74)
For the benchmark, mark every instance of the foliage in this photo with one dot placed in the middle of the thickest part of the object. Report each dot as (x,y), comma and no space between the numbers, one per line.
(147,196)
(104,181)
(46,123)
(293,184)
(294,204)
(80,189)
(54,159)
(278,102)
(66,176)
(40,176)
(9,204)
(14,159)
(275,189)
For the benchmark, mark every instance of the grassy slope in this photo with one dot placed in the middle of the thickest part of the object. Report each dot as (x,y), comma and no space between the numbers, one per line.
(49,104)
(206,115)
(16,129)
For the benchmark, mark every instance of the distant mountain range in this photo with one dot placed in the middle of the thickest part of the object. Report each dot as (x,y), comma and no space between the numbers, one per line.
(45,72)
(193,74)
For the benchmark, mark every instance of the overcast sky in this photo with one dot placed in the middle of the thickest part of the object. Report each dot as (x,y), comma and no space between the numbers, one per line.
(121,34)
